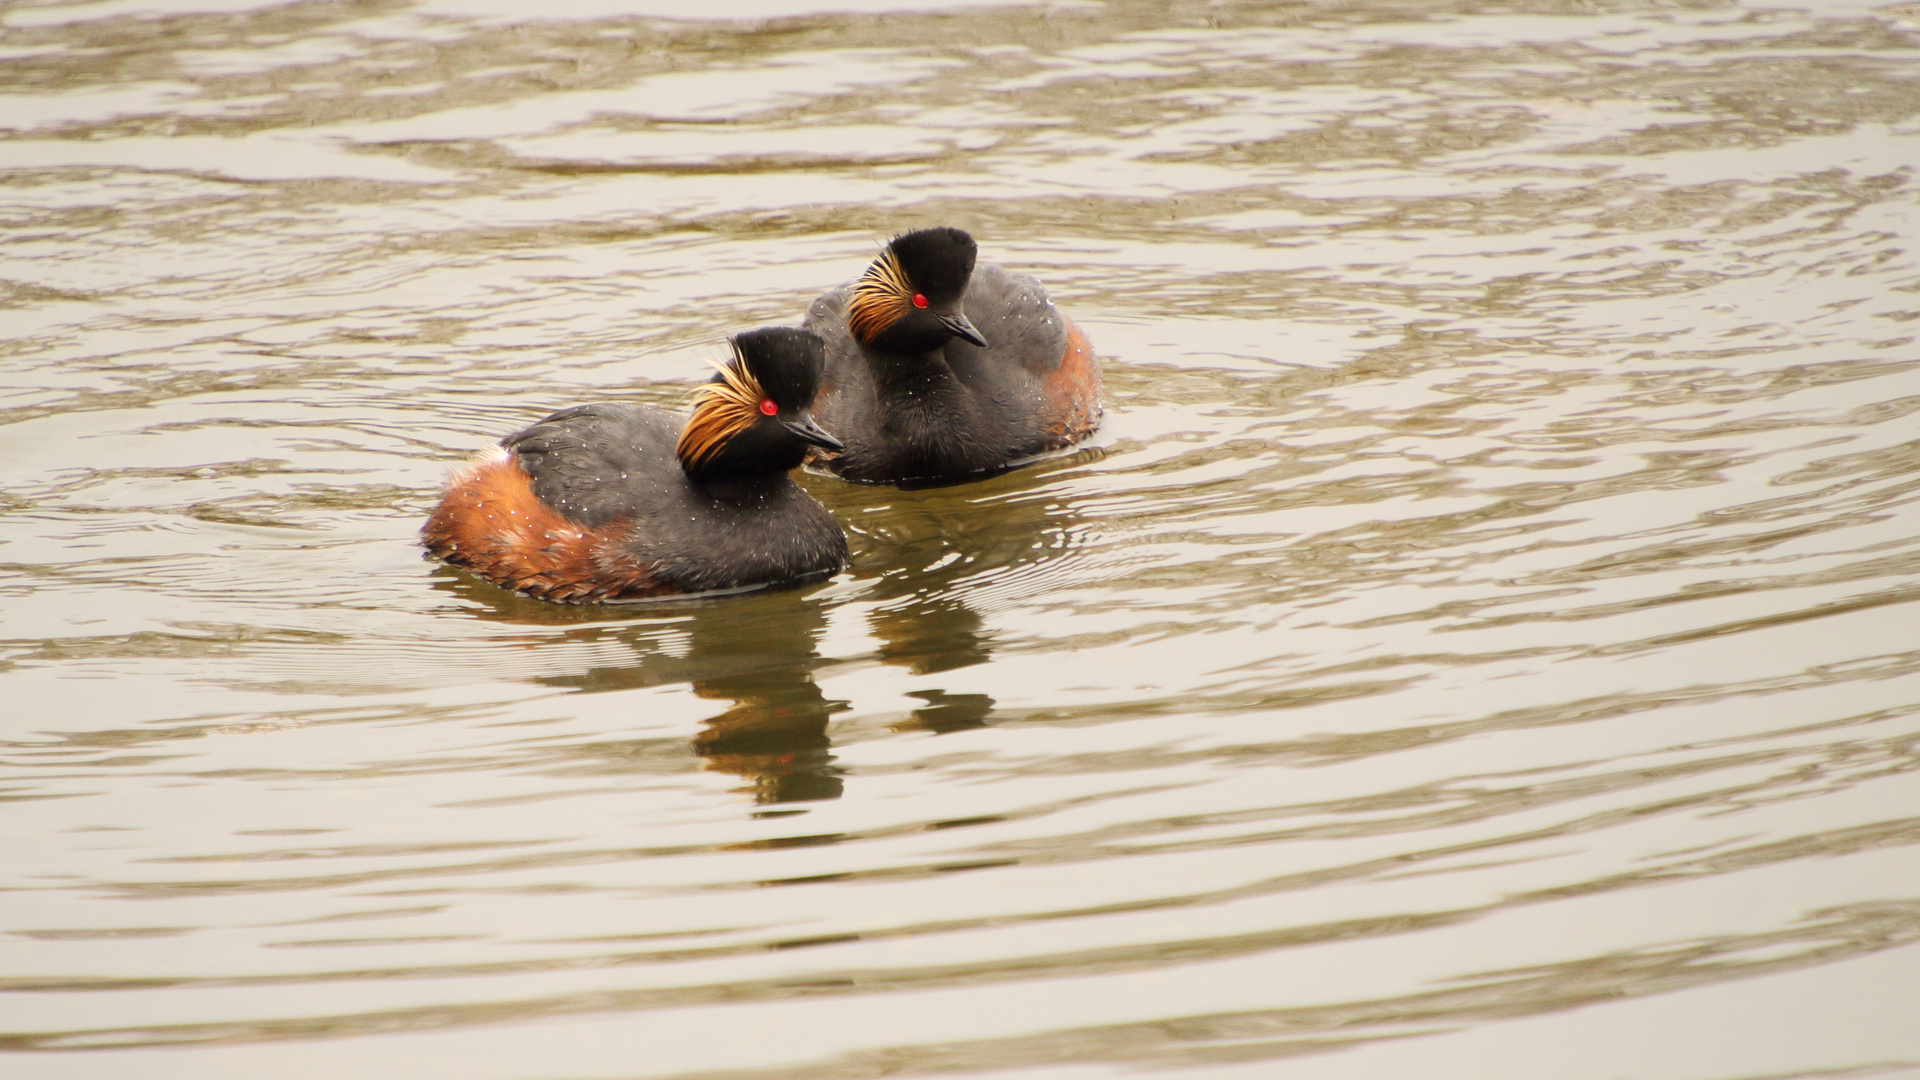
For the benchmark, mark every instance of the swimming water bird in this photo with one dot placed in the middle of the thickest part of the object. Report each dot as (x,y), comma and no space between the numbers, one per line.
(938,369)
(611,503)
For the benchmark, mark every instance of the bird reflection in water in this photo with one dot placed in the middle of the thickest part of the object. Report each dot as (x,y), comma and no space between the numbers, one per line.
(934,555)
(758,652)
(927,633)
(775,735)
(924,556)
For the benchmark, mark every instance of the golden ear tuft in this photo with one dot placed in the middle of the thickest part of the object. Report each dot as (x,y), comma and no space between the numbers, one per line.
(721,410)
(880,298)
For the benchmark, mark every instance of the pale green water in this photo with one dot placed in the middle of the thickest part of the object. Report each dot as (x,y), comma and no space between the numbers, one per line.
(1483,642)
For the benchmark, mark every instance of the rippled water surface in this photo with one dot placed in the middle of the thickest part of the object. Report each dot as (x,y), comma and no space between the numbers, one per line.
(1483,640)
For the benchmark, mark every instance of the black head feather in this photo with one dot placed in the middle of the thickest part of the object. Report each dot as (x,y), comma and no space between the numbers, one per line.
(937,261)
(785,361)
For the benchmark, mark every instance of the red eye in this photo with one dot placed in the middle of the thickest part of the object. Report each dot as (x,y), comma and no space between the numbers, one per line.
(919,299)
(768,407)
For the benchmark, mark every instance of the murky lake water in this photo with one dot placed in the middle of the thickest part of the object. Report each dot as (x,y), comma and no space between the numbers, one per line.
(1483,641)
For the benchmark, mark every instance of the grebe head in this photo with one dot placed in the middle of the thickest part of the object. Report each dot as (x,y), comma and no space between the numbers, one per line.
(909,299)
(754,416)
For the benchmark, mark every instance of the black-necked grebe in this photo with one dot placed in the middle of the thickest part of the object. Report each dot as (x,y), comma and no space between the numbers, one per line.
(940,370)
(610,503)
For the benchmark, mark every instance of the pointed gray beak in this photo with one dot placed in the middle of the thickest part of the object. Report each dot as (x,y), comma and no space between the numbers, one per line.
(962,329)
(806,430)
